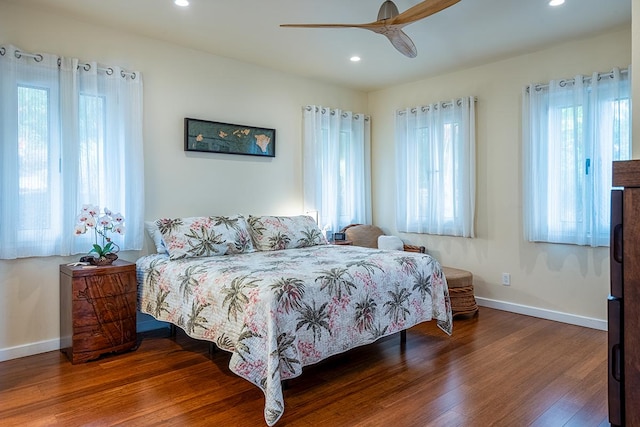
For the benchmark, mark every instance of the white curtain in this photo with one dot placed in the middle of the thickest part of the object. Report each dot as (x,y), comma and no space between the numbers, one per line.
(572,131)
(337,166)
(435,168)
(71,134)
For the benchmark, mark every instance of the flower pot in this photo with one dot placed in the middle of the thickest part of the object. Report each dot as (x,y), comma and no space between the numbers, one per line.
(104,260)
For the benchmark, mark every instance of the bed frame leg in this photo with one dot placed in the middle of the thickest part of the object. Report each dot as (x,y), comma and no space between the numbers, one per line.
(172,330)
(403,336)
(212,348)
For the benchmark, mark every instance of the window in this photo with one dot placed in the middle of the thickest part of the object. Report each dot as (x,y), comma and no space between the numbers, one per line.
(336,166)
(572,131)
(70,135)
(37,157)
(435,155)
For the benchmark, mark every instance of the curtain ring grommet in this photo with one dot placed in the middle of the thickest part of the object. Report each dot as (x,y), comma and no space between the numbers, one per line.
(3,50)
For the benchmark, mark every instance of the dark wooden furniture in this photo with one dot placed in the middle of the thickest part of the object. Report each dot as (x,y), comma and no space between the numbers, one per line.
(624,302)
(97,310)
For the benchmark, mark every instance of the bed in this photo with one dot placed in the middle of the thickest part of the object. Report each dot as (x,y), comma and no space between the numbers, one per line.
(278,297)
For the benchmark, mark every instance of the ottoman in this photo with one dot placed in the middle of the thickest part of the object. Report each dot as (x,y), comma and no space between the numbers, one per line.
(460,284)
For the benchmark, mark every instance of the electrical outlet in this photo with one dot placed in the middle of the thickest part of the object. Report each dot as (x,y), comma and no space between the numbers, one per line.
(506,279)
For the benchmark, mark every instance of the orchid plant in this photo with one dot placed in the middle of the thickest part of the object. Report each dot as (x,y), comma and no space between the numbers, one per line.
(102,224)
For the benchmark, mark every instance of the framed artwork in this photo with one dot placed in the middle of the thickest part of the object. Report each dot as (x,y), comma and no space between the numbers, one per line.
(216,137)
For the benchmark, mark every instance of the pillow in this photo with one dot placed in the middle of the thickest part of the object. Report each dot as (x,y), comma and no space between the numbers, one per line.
(390,242)
(272,233)
(205,236)
(156,236)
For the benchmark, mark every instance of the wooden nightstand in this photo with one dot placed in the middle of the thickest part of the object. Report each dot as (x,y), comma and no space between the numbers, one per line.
(97,310)
(342,242)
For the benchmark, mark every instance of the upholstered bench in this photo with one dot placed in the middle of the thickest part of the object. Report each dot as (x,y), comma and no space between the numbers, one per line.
(460,284)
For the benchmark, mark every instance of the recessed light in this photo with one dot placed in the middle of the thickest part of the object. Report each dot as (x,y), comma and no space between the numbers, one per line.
(556,2)
(182,3)
(355,58)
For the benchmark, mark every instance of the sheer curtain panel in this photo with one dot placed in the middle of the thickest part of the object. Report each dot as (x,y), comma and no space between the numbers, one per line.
(435,168)
(572,131)
(71,134)
(337,171)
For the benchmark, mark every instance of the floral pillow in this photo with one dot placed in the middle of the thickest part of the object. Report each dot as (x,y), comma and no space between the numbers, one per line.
(205,236)
(272,233)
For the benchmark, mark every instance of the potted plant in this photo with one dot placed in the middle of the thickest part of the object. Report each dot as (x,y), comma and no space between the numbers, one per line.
(102,224)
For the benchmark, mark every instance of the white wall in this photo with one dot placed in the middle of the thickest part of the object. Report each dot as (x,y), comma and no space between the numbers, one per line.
(557,278)
(178,83)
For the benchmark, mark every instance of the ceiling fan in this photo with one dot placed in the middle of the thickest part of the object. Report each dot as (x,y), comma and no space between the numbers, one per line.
(390,22)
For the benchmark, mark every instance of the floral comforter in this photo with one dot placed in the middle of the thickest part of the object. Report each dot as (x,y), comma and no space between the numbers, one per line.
(277,311)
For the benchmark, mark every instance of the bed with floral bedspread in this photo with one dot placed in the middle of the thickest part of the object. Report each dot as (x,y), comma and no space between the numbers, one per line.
(277,311)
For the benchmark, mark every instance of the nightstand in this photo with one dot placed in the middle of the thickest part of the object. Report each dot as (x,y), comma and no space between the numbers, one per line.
(97,310)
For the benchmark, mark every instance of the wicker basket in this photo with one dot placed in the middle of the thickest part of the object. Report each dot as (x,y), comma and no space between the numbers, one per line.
(462,301)
(460,283)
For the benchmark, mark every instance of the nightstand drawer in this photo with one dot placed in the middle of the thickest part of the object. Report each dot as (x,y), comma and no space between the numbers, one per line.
(103,310)
(104,336)
(103,286)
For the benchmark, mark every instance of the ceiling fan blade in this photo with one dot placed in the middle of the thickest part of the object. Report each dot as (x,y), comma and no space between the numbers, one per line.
(421,10)
(325,25)
(388,10)
(401,41)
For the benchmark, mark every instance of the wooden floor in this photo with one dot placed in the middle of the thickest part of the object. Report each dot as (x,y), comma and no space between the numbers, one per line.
(498,369)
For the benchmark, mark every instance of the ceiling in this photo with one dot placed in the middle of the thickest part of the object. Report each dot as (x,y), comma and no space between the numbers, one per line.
(468,33)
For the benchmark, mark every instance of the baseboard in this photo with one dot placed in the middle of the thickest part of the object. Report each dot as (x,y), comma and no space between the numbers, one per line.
(557,316)
(145,323)
(148,323)
(29,349)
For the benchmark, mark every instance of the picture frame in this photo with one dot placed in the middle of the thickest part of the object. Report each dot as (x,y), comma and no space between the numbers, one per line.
(228,138)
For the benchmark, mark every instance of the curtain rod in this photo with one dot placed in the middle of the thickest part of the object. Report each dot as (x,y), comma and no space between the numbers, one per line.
(565,82)
(38,57)
(333,112)
(442,104)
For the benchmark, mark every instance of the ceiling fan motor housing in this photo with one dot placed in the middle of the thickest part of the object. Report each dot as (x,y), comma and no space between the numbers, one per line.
(388,10)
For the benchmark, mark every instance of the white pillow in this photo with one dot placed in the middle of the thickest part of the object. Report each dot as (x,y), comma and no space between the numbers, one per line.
(156,236)
(390,242)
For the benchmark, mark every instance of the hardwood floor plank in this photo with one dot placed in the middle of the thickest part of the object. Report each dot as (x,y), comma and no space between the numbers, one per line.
(498,369)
